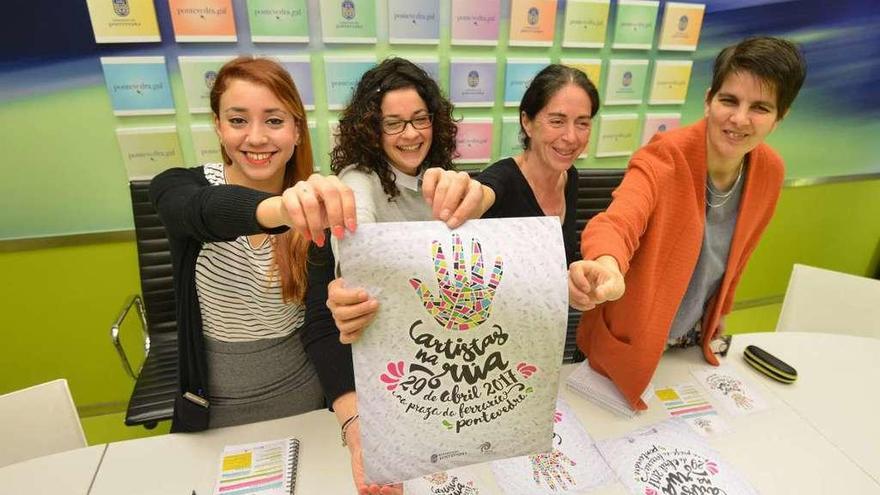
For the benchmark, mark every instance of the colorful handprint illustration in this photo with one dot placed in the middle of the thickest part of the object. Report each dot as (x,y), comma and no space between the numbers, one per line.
(552,469)
(465,300)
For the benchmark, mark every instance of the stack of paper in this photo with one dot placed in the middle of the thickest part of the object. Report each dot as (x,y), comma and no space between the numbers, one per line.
(600,390)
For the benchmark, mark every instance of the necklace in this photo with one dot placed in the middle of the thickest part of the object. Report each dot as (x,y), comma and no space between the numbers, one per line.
(725,197)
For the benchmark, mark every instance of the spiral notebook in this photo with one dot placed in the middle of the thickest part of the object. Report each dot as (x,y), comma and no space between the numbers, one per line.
(262,468)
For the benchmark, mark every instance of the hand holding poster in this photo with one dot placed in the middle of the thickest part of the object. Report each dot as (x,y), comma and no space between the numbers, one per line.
(461,363)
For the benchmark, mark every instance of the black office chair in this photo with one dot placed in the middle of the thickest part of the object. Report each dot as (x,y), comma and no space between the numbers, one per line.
(152,399)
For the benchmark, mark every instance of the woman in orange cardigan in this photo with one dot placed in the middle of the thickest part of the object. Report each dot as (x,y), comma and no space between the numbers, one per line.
(684,221)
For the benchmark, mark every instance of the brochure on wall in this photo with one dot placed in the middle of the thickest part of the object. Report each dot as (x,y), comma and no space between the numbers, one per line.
(670,458)
(592,67)
(625,84)
(146,151)
(123,21)
(414,21)
(431,65)
(586,23)
(341,75)
(206,144)
(532,22)
(138,85)
(461,364)
(670,83)
(278,21)
(199,74)
(472,82)
(636,20)
(518,75)
(348,21)
(681,26)
(659,122)
(300,69)
(618,135)
(473,142)
(468,480)
(202,20)
(572,466)
(510,143)
(475,23)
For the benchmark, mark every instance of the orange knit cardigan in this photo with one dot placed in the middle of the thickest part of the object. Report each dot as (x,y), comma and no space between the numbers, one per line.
(654,229)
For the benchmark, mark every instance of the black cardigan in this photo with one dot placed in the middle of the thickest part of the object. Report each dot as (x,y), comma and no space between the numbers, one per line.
(195,212)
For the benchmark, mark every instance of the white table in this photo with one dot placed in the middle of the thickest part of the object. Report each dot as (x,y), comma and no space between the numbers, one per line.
(68,472)
(818,436)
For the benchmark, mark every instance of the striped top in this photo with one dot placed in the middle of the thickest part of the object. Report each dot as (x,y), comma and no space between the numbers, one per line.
(239,292)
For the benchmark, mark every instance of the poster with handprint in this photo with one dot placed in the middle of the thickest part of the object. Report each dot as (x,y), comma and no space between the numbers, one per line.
(460,365)
(467,480)
(669,457)
(572,466)
(735,394)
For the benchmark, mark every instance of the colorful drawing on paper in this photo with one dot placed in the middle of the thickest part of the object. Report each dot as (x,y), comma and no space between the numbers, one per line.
(686,402)
(448,357)
(465,299)
(734,393)
(573,465)
(669,457)
(453,482)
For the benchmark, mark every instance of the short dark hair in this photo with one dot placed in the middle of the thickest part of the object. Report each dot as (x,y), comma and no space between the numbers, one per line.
(360,124)
(545,84)
(775,61)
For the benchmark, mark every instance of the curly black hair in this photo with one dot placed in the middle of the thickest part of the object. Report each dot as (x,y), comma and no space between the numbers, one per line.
(359,140)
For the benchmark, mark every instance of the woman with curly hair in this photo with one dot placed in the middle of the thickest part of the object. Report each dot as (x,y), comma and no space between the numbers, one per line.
(397,131)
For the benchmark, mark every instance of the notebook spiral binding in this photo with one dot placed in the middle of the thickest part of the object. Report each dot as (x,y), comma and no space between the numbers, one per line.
(292,463)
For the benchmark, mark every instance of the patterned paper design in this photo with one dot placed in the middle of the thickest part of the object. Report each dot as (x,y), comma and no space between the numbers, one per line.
(461,364)
(730,390)
(572,466)
(460,481)
(669,458)
(687,403)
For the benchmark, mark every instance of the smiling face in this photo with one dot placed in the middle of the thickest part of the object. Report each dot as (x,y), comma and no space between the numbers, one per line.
(561,130)
(739,117)
(408,149)
(258,133)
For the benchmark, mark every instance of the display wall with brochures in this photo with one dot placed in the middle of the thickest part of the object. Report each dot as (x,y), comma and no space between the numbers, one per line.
(483,54)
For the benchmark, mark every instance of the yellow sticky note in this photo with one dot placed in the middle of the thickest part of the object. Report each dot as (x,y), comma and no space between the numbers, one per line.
(666,394)
(237,461)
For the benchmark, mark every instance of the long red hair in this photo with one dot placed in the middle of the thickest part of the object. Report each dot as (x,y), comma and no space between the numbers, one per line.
(290,248)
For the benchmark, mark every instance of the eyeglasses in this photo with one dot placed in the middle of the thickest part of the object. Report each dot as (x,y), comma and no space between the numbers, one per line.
(395,126)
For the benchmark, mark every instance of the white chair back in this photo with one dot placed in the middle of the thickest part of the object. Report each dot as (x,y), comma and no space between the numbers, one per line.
(819,300)
(38,421)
